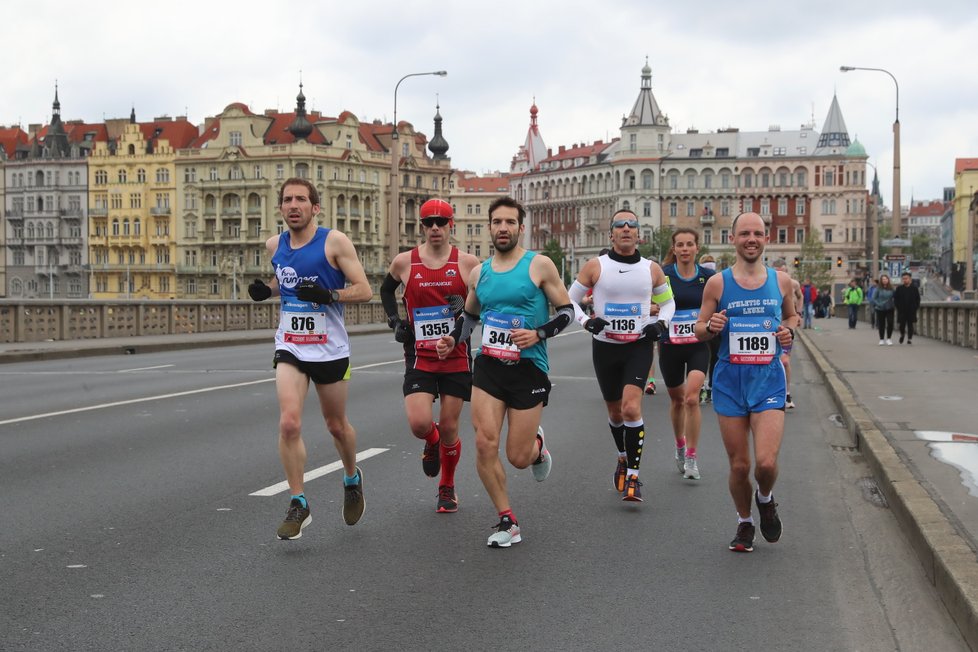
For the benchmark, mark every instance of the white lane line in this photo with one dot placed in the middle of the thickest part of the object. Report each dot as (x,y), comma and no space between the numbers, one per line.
(317,473)
(158,397)
(159,366)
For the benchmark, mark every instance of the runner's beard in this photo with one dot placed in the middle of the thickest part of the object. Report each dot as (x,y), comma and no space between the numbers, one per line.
(509,246)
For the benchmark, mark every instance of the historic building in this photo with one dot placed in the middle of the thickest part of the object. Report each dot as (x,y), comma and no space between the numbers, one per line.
(471,196)
(45,206)
(229,178)
(965,217)
(10,138)
(800,180)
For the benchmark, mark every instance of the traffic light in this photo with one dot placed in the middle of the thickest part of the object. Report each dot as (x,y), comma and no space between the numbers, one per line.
(797,262)
(838,261)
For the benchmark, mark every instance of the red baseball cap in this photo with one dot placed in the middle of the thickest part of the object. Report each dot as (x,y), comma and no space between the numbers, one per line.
(437,208)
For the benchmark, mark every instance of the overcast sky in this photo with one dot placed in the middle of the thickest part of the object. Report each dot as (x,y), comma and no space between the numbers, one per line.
(715,64)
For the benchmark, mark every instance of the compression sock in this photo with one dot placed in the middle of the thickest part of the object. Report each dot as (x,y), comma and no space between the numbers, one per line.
(433,435)
(634,441)
(618,432)
(301,498)
(449,460)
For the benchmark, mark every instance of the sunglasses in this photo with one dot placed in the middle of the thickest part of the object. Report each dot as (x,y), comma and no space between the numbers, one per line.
(620,224)
(432,221)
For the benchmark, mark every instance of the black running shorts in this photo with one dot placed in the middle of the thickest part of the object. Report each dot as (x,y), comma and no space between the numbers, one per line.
(520,386)
(677,360)
(617,365)
(453,384)
(321,373)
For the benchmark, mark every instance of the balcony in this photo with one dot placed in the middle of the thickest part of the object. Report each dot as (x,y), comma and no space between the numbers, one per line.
(159,210)
(98,211)
(72,213)
(707,218)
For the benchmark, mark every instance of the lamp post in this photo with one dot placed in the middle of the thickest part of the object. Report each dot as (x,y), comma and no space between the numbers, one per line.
(394,217)
(896,148)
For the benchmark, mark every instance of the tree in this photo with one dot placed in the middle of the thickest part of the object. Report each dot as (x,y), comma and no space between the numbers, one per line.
(920,247)
(814,264)
(658,246)
(554,252)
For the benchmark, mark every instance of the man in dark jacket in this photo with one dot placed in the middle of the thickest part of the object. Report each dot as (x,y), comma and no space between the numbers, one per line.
(906,298)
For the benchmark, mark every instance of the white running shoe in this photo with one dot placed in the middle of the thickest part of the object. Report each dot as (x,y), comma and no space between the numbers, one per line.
(882,342)
(541,468)
(889,342)
(507,533)
(681,459)
(692,469)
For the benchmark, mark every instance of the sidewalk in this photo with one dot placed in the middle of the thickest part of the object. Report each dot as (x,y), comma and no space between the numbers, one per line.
(913,413)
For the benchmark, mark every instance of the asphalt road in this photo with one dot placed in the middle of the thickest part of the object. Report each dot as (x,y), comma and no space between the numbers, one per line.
(128,524)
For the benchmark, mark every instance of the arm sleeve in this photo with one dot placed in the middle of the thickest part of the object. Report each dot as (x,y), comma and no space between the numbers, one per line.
(464,326)
(387,298)
(560,321)
(662,295)
(577,291)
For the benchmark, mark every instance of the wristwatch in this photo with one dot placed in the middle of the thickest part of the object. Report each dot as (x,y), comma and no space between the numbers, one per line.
(542,334)
(334,295)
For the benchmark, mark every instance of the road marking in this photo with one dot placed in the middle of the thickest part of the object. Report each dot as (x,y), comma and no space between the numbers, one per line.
(159,366)
(102,406)
(316,473)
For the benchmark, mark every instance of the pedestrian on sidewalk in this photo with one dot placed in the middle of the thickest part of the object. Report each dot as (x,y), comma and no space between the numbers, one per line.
(853,298)
(810,294)
(883,307)
(870,295)
(906,298)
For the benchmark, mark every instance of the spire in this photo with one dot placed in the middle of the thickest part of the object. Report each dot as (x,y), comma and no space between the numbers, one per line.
(536,150)
(56,107)
(56,140)
(646,110)
(438,144)
(300,127)
(876,186)
(834,133)
(132,115)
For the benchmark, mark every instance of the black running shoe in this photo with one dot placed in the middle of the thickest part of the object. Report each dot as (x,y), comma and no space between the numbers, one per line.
(770,521)
(633,490)
(353,500)
(431,459)
(744,541)
(447,501)
(295,519)
(620,473)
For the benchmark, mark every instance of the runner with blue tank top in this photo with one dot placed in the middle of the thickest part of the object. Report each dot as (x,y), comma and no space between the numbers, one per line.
(683,359)
(510,294)
(746,307)
(316,271)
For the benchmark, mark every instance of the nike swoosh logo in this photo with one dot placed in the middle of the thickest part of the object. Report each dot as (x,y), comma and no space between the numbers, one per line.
(624,271)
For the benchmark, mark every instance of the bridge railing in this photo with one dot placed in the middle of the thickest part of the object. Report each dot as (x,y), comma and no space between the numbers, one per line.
(34,320)
(954,322)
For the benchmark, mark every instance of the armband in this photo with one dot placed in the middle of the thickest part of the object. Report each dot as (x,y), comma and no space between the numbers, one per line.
(560,321)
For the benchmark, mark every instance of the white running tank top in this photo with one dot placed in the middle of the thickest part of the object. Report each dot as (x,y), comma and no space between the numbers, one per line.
(623,297)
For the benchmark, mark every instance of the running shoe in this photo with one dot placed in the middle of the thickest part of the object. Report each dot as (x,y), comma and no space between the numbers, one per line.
(882,342)
(889,342)
(650,387)
(431,459)
(709,394)
(620,472)
(770,521)
(681,459)
(353,500)
(296,518)
(633,490)
(691,470)
(541,468)
(788,403)
(507,533)
(447,501)
(703,392)
(744,541)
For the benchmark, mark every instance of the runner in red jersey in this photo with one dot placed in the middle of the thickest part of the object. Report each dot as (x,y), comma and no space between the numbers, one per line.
(434,278)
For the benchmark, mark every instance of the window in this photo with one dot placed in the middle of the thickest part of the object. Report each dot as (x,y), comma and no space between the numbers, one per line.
(236,173)
(782,236)
(162,175)
(799,235)
(674,181)
(725,207)
(828,235)
(646,180)
(690,209)
(707,236)
(722,152)
(724,236)
(115,226)
(673,209)
(123,177)
(191,286)
(632,142)
(725,180)
(783,179)
(783,206)
(696,152)
(647,209)
(258,172)
(748,179)
(829,177)
(140,175)
(135,200)
(690,181)
(235,138)
(765,180)
(780,151)
(349,141)
(189,175)
(279,171)
(708,181)
(748,205)
(320,173)
(765,206)
(753,152)
(136,227)
(212,174)
(101,178)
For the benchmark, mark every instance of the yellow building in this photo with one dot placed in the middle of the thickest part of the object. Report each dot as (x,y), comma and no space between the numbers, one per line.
(965,200)
(470,198)
(132,192)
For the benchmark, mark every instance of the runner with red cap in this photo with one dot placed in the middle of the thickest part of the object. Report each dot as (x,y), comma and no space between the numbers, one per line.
(434,278)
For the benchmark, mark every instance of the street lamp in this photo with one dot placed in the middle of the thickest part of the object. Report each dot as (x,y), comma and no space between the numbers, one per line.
(394,217)
(896,148)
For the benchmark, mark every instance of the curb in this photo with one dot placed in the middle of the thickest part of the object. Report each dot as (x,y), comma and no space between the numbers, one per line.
(947,558)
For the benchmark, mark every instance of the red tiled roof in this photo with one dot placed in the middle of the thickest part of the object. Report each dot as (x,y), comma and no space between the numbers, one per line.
(180,133)
(484,184)
(369,133)
(932,208)
(962,164)
(577,150)
(10,138)
(76,131)
(278,132)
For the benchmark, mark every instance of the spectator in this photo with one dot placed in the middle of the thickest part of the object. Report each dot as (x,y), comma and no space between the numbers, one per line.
(853,298)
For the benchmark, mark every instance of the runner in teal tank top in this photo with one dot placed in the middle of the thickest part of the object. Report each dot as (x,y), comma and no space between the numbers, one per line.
(509,293)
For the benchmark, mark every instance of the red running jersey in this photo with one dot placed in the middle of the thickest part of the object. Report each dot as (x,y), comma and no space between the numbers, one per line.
(430,317)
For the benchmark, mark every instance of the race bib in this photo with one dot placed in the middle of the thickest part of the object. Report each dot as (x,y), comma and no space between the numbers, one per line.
(625,321)
(430,324)
(681,327)
(497,335)
(304,327)
(751,340)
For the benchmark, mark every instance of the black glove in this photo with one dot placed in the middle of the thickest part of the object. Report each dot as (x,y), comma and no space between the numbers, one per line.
(309,291)
(258,291)
(403,332)
(596,325)
(655,330)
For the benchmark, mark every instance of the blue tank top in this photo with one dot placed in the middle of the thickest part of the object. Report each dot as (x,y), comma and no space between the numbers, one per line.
(311,332)
(688,294)
(752,318)
(509,300)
